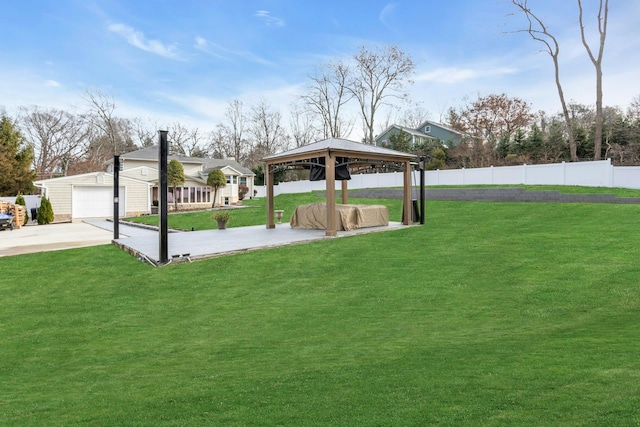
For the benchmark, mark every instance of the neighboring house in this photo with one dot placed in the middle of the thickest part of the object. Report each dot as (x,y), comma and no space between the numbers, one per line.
(91,195)
(427,131)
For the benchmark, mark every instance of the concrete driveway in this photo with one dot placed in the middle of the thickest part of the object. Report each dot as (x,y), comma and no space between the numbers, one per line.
(51,237)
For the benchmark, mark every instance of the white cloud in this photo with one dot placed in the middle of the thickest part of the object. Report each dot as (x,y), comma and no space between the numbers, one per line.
(137,39)
(386,13)
(453,75)
(52,83)
(209,48)
(225,54)
(269,20)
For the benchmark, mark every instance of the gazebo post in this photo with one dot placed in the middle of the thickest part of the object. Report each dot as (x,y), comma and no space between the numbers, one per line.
(406,220)
(330,175)
(345,192)
(268,176)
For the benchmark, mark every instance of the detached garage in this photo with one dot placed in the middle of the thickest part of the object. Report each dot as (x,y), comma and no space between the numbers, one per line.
(91,196)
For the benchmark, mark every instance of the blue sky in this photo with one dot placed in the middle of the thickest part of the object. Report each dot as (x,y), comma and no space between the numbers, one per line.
(169,61)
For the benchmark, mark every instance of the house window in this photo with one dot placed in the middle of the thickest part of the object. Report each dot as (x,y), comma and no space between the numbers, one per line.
(427,129)
(228,179)
(226,201)
(243,180)
(186,194)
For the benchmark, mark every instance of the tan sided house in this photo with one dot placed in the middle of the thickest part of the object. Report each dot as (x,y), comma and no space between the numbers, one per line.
(90,195)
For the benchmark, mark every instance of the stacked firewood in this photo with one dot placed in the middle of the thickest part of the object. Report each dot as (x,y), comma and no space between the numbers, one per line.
(18,212)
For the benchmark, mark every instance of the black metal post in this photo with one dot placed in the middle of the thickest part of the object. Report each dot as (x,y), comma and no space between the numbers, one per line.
(116,197)
(422,195)
(163,151)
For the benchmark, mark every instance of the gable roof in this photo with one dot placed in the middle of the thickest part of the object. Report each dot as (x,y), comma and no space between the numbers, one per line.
(342,147)
(440,125)
(410,131)
(41,182)
(151,154)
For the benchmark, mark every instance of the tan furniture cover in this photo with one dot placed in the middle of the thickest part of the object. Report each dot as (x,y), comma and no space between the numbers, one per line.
(348,217)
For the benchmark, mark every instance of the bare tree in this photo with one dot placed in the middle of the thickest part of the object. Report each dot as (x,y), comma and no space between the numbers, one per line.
(109,134)
(302,130)
(540,33)
(326,99)
(268,134)
(633,112)
(146,134)
(184,140)
(380,74)
(413,117)
(228,139)
(603,15)
(56,136)
(237,121)
(101,116)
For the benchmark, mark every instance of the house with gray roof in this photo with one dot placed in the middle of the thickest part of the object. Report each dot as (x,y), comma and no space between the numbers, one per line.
(91,195)
(427,131)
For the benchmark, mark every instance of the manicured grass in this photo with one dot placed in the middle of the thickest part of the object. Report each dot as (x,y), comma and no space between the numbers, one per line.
(491,314)
(567,189)
(254,211)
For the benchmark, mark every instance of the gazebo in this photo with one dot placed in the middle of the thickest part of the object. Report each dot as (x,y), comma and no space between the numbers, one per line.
(346,156)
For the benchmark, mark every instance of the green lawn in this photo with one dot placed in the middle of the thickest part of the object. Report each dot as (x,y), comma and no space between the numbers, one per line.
(491,314)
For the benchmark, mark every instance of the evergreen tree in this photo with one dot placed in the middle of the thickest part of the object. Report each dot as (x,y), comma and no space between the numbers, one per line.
(45,211)
(535,143)
(15,160)
(20,201)
(175,178)
(400,141)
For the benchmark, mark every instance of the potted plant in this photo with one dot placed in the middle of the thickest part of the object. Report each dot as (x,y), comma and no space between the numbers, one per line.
(154,207)
(222,217)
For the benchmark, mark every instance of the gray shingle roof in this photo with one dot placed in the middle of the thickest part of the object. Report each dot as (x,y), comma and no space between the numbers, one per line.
(341,145)
(151,153)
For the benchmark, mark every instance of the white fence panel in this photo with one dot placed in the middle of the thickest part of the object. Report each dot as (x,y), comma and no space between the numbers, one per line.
(588,174)
(626,176)
(445,177)
(477,176)
(508,175)
(552,174)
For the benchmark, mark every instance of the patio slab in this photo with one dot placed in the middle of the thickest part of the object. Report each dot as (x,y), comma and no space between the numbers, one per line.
(192,245)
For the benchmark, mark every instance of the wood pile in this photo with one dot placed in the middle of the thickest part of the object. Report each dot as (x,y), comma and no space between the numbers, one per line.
(17,211)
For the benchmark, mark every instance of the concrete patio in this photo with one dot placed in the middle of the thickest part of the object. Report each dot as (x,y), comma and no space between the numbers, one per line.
(192,245)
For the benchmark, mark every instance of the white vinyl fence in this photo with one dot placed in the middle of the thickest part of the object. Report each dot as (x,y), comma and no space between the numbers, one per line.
(587,174)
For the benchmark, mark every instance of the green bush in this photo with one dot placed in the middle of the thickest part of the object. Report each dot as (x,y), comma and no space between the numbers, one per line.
(45,211)
(224,215)
(20,201)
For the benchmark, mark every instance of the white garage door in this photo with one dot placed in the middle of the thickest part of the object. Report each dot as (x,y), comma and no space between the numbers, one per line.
(95,202)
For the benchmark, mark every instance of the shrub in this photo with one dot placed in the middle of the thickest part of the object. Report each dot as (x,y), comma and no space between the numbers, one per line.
(45,211)
(242,191)
(221,216)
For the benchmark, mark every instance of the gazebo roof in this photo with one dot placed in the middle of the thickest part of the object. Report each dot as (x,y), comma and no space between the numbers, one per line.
(339,147)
